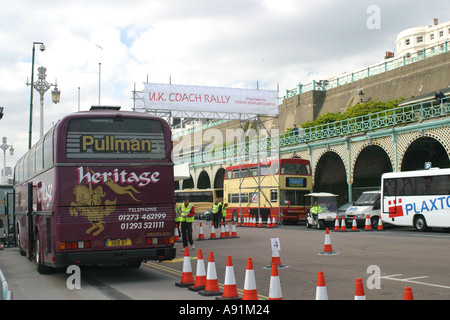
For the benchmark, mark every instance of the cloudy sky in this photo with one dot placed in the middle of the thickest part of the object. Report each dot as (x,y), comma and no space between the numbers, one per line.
(226,43)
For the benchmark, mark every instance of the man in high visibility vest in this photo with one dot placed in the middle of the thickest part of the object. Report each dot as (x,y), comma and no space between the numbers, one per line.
(224,212)
(217,212)
(187,217)
(315,210)
(178,218)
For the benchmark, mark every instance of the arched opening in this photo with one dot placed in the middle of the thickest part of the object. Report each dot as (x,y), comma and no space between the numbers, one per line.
(424,149)
(330,176)
(371,163)
(218,180)
(204,182)
(188,183)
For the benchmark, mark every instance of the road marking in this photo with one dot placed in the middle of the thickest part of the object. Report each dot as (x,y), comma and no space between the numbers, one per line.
(412,280)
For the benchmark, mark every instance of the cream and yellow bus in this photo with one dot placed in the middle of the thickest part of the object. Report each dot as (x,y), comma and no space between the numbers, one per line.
(202,199)
(279,190)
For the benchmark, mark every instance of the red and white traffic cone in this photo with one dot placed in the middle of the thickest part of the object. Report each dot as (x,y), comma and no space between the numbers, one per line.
(354,224)
(239,224)
(343,226)
(269,222)
(368,225)
(276,260)
(359,290)
(380,225)
(260,224)
(321,289)
(211,284)
(201,235)
(233,232)
(249,282)
(327,250)
(213,232)
(229,288)
(223,234)
(274,287)
(177,235)
(336,224)
(186,276)
(408,295)
(227,230)
(254,222)
(200,275)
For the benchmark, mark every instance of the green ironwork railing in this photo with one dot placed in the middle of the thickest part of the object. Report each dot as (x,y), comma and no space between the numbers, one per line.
(394,117)
(367,72)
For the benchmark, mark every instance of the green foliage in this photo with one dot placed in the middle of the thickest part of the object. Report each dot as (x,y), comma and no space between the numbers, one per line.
(358,110)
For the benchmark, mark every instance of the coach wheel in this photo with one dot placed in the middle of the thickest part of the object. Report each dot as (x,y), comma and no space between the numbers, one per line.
(420,224)
(41,268)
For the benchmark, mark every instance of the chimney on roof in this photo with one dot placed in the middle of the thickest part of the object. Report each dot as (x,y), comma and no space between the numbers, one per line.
(435,21)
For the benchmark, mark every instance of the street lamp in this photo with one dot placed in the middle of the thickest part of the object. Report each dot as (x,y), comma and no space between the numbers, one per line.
(42,86)
(4,146)
(42,48)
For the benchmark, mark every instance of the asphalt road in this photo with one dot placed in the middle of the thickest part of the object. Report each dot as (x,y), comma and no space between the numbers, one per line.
(400,257)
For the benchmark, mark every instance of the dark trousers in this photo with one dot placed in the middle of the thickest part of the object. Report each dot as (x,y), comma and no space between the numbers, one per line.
(186,230)
(216,219)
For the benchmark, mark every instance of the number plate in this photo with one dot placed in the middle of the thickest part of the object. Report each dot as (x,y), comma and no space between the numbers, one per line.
(118,242)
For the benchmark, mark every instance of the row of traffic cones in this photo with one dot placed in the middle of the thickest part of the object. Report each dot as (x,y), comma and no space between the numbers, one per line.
(367,225)
(251,222)
(224,233)
(206,283)
(321,289)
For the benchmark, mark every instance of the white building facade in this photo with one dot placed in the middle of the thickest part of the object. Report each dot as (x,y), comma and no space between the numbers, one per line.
(415,40)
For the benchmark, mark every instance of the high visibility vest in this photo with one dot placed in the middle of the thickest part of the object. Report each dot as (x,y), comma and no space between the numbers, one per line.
(224,210)
(185,211)
(316,209)
(177,214)
(215,208)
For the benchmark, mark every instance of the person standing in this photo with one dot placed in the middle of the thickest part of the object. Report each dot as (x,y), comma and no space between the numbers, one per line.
(187,217)
(217,212)
(224,212)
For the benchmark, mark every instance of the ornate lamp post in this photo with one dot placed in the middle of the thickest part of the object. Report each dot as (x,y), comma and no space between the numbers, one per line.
(42,86)
(4,146)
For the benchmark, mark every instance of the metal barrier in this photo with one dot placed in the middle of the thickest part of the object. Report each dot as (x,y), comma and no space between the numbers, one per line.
(6,294)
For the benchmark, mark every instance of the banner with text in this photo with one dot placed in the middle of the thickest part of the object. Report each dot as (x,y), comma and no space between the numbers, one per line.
(194,99)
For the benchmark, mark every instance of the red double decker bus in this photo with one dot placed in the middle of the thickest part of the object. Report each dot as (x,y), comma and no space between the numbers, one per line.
(278,188)
(97,189)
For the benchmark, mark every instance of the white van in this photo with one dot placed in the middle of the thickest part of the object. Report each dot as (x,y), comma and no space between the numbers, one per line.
(367,204)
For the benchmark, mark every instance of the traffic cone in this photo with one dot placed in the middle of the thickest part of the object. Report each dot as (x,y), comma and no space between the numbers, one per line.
(245,222)
(233,232)
(200,275)
(343,226)
(254,222)
(186,276)
(274,287)
(354,224)
(201,236)
(359,290)
(227,230)
(249,282)
(368,225)
(269,222)
(336,224)
(321,289)
(223,234)
(177,235)
(380,225)
(276,260)
(327,250)
(239,224)
(260,224)
(229,288)
(213,232)
(408,295)
(211,284)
